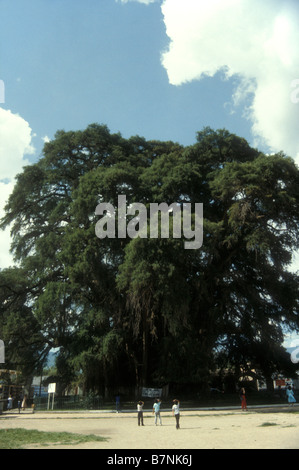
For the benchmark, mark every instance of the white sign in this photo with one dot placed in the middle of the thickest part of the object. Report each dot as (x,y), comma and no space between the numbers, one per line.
(151,392)
(52,388)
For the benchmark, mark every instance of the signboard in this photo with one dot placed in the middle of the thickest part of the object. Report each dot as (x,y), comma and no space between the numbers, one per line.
(280,383)
(151,392)
(52,388)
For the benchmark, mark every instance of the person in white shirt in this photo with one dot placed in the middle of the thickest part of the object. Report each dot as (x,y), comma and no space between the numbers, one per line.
(140,412)
(176,412)
(9,403)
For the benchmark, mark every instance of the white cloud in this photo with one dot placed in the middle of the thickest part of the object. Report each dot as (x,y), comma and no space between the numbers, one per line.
(252,40)
(46,139)
(15,143)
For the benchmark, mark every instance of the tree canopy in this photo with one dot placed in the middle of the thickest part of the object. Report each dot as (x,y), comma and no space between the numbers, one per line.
(144,311)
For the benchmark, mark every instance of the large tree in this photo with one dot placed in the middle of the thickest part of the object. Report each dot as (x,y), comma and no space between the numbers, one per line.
(147,311)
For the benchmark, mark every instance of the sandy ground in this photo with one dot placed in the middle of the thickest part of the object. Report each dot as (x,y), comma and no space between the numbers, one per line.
(258,428)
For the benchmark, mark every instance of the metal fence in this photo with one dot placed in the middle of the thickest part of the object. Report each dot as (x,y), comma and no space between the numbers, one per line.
(73,402)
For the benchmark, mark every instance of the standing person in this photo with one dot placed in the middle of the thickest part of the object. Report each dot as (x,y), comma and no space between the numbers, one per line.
(24,402)
(290,395)
(19,403)
(176,412)
(117,403)
(243,399)
(9,403)
(140,412)
(156,411)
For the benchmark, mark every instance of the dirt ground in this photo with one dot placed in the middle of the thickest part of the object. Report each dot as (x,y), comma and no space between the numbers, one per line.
(213,429)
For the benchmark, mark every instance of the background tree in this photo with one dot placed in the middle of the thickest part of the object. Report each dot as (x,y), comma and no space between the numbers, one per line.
(147,311)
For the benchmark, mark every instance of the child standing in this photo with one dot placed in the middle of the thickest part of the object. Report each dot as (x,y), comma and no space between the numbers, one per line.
(156,411)
(243,400)
(176,412)
(140,412)
(9,403)
(290,395)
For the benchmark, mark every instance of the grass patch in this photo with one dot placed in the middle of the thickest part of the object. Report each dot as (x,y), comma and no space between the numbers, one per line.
(19,438)
(268,424)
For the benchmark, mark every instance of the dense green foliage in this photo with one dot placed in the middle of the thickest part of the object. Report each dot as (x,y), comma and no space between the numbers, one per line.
(147,311)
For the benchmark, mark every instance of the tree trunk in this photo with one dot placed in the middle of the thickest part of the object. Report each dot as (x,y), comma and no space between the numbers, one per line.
(106,389)
(144,372)
(269,384)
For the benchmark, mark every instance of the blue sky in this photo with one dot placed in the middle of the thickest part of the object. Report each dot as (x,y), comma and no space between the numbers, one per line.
(68,63)
(162,69)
